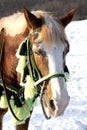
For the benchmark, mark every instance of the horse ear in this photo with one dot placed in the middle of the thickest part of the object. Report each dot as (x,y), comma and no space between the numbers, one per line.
(32,21)
(66,19)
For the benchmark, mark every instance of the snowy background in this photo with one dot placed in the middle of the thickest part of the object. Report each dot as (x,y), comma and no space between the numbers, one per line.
(75,116)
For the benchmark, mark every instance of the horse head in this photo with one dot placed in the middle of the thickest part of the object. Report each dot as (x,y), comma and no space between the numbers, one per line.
(50,47)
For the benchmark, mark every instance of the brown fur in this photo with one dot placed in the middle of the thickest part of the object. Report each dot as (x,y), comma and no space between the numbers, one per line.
(9,62)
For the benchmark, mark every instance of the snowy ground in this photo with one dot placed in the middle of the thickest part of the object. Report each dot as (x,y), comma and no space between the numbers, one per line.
(75,117)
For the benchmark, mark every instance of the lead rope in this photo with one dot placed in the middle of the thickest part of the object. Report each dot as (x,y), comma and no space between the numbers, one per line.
(41,100)
(4,86)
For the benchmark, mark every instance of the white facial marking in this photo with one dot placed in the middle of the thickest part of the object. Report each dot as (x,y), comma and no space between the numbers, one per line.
(58,85)
(55,59)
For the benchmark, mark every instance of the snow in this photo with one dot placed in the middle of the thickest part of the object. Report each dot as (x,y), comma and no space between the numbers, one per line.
(75,116)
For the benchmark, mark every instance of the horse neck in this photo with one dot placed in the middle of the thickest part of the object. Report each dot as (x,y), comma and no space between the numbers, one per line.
(9,61)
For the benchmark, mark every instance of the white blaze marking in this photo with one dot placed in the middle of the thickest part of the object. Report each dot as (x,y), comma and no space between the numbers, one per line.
(55,65)
(58,85)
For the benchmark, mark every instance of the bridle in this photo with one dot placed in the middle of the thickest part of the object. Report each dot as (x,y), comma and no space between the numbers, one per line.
(34,73)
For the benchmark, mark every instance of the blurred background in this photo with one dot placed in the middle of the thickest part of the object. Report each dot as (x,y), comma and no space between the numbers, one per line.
(57,7)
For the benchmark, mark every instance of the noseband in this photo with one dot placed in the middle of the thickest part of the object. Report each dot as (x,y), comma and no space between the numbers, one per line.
(34,73)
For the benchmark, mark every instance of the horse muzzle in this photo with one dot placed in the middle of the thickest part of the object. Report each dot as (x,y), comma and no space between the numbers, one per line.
(51,107)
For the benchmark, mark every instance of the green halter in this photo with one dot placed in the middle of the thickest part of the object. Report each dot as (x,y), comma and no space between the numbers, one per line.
(35,78)
(34,71)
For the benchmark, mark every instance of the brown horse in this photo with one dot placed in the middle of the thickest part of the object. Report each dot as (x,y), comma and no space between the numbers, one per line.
(50,47)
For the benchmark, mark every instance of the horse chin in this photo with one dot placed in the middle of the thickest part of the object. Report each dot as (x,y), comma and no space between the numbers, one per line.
(50,112)
(52,108)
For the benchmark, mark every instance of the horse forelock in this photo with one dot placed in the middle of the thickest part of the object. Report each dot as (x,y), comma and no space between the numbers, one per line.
(52,31)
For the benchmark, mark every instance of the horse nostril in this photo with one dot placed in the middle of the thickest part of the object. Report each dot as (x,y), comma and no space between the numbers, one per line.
(51,102)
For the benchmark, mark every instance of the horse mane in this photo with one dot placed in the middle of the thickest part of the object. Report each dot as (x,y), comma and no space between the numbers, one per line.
(13,24)
(52,30)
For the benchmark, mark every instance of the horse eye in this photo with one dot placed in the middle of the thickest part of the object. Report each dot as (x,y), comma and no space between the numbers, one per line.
(40,42)
(40,52)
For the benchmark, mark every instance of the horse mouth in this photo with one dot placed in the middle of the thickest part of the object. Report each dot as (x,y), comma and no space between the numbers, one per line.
(49,107)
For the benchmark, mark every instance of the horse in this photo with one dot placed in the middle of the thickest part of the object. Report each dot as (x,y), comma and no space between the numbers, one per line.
(50,46)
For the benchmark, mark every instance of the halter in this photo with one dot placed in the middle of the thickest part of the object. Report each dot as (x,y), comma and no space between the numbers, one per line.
(34,73)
